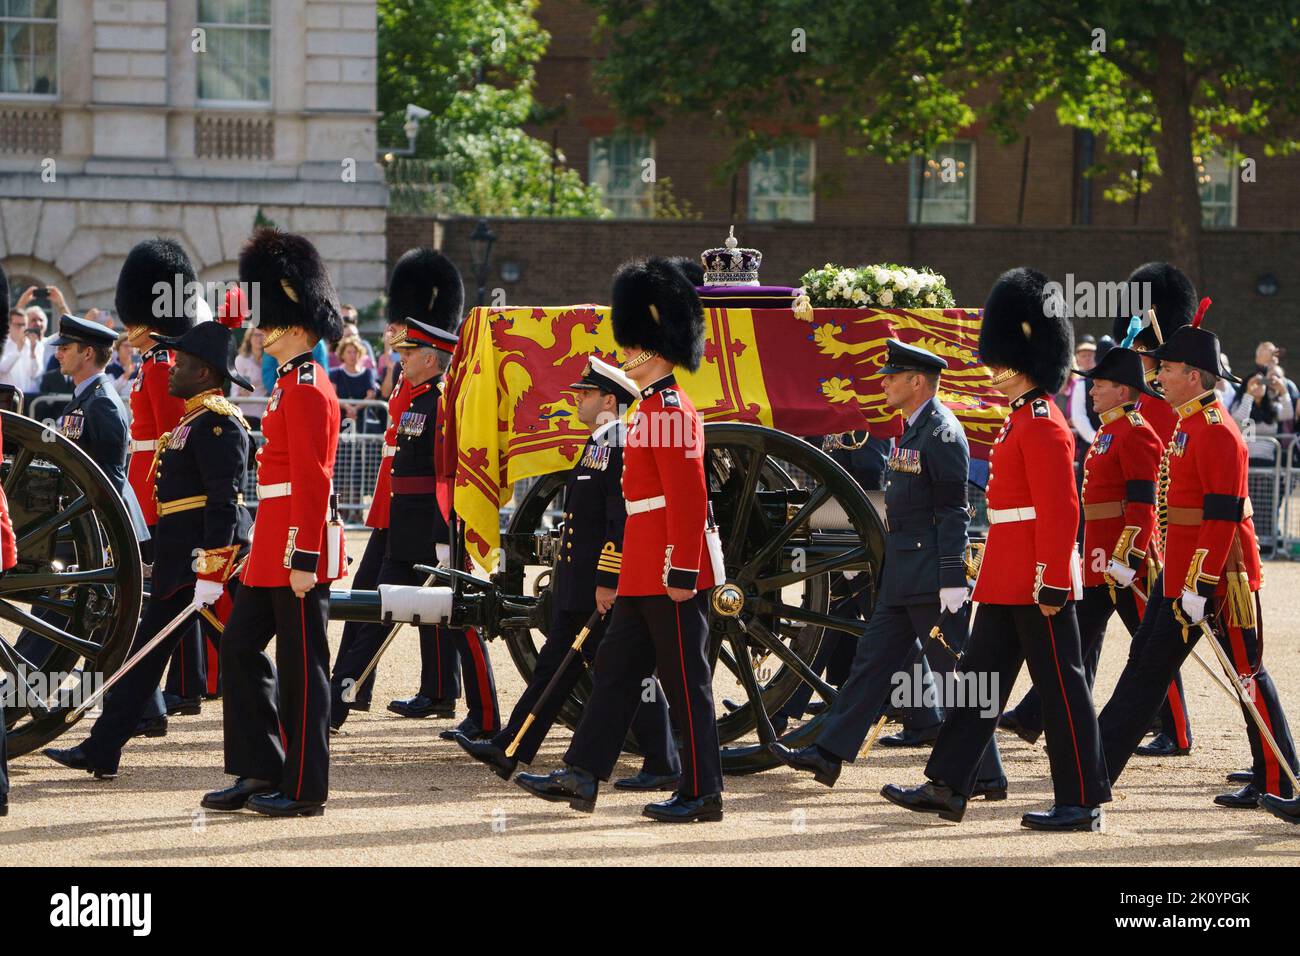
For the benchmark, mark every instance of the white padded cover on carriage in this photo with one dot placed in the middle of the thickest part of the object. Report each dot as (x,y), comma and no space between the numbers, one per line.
(401,602)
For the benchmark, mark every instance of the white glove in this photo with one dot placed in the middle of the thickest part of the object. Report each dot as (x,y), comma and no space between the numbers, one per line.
(850,575)
(1122,574)
(207,593)
(951,599)
(1193,607)
(443,553)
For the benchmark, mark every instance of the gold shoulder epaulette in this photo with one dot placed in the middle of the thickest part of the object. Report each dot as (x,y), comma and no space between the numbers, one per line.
(223,406)
(1212,416)
(1136,419)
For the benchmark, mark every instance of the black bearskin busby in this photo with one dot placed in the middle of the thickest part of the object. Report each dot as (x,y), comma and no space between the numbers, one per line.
(148,265)
(1172,296)
(290,285)
(690,268)
(656,308)
(1025,328)
(426,286)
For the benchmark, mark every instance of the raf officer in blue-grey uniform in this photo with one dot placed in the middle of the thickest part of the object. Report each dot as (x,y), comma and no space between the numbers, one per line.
(96,422)
(923,575)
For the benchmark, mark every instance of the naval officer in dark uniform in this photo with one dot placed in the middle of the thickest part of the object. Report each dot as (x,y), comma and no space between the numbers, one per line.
(923,575)
(586,580)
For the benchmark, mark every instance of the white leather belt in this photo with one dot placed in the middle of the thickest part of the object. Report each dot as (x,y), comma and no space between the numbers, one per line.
(642,505)
(274,491)
(1007,515)
(390,451)
(137,445)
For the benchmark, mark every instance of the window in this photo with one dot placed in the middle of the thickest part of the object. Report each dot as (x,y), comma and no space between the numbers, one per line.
(941,186)
(1217,180)
(28,47)
(781,182)
(236,67)
(616,164)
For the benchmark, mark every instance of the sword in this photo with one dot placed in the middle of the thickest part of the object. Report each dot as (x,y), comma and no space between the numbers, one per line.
(131,662)
(936,634)
(569,655)
(350,693)
(1247,702)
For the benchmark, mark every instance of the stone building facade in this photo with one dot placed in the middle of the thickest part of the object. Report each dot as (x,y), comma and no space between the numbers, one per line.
(124,119)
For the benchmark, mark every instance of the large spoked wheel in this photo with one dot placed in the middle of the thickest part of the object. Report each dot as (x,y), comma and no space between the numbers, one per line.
(69,608)
(792,522)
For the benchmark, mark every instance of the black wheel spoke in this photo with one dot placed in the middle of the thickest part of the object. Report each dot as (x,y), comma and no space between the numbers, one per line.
(844,559)
(745,505)
(766,734)
(11,612)
(778,540)
(14,583)
(22,459)
(728,661)
(19,667)
(762,635)
(39,530)
(789,611)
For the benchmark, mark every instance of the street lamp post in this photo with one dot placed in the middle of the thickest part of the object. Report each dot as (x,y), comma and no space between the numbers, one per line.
(480,250)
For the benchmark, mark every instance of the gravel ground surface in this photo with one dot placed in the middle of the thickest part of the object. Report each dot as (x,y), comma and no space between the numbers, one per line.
(401,796)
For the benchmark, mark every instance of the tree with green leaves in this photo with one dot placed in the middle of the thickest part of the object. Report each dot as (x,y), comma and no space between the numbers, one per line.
(471,64)
(1161,80)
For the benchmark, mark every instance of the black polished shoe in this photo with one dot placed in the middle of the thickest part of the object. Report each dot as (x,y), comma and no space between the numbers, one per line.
(484,751)
(929,797)
(572,785)
(467,729)
(4,805)
(151,727)
(1062,819)
(1288,810)
(825,770)
(705,809)
(1162,745)
(421,706)
(276,804)
(1247,798)
(235,796)
(990,790)
(912,738)
(182,706)
(645,781)
(74,758)
(1241,776)
(1009,721)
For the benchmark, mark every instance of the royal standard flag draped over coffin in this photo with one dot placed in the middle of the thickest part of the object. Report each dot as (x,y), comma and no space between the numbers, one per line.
(512,417)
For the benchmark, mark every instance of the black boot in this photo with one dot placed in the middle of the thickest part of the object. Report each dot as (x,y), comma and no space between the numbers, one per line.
(276,804)
(1241,776)
(1247,798)
(825,769)
(1283,809)
(1162,745)
(1009,721)
(572,785)
(929,797)
(705,809)
(75,758)
(235,796)
(467,728)
(1063,819)
(645,780)
(421,706)
(184,706)
(912,738)
(990,789)
(484,751)
(152,727)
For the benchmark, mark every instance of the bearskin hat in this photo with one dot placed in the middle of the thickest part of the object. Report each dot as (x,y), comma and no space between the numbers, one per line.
(426,286)
(690,268)
(148,264)
(656,308)
(293,287)
(1025,328)
(4,290)
(1172,296)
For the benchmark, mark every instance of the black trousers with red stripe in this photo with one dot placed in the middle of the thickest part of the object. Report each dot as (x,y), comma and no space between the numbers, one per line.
(647,725)
(1158,651)
(365,577)
(440,679)
(646,634)
(1004,637)
(187,673)
(276,716)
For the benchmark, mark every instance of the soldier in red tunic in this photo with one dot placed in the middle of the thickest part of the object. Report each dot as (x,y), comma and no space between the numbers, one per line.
(1212,569)
(277,717)
(8,558)
(149,266)
(660,616)
(1029,578)
(427,287)
(1121,558)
